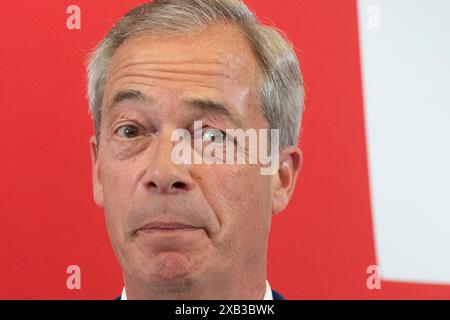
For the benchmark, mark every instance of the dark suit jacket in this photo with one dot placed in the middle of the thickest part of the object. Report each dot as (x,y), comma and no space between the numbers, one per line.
(275,294)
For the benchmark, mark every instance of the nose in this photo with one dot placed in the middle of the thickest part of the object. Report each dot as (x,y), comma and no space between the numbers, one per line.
(162,174)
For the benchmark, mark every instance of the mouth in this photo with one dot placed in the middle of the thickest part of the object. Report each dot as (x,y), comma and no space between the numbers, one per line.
(167,227)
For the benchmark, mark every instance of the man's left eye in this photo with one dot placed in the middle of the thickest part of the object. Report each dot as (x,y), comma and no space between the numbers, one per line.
(213,135)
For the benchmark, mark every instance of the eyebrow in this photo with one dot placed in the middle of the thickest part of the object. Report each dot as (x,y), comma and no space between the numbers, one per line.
(204,104)
(129,94)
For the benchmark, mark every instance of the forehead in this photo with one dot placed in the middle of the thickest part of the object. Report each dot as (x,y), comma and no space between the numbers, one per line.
(220,49)
(214,65)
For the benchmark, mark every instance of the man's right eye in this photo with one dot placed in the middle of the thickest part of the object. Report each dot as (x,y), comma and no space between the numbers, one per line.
(128,131)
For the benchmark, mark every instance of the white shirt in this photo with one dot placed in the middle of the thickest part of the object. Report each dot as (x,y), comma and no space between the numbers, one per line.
(267,294)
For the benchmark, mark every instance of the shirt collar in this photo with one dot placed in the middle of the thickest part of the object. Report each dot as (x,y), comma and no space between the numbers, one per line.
(267,295)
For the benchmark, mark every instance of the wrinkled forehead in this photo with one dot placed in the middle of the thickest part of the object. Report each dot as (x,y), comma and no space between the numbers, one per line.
(219,49)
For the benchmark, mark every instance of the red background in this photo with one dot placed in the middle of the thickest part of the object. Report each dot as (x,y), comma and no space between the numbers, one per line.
(320,246)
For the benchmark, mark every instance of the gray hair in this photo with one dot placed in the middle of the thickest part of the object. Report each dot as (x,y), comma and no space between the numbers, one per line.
(280,83)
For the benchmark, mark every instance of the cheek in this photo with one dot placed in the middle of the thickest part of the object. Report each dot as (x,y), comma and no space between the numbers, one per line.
(118,189)
(239,195)
(117,182)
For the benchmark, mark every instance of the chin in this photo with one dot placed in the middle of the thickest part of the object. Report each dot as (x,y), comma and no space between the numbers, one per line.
(168,271)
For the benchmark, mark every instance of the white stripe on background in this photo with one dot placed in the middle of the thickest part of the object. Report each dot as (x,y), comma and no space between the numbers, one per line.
(406,81)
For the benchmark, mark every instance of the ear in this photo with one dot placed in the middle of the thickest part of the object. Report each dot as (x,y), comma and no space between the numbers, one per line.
(291,161)
(96,181)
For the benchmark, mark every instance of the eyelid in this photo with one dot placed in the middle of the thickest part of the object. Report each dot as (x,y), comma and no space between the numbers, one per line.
(205,128)
(213,128)
(127,122)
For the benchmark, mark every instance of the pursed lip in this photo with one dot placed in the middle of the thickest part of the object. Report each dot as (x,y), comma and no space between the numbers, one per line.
(167,226)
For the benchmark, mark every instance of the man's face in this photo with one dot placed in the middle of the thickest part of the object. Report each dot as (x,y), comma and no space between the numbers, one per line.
(227,207)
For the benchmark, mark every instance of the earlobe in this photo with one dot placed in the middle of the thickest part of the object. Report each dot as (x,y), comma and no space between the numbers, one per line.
(96,181)
(291,161)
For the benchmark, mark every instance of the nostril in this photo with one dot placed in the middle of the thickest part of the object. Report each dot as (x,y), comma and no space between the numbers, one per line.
(179,185)
(173,187)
